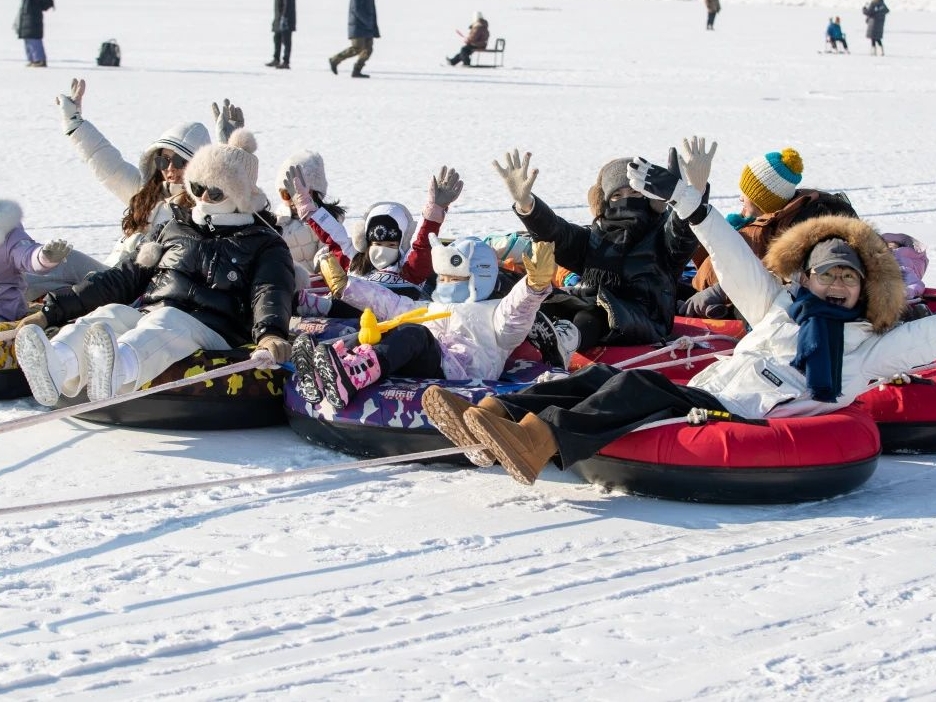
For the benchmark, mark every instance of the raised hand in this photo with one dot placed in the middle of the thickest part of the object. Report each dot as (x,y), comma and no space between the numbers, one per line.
(541,266)
(336,278)
(54,252)
(70,106)
(658,183)
(227,119)
(445,189)
(519,179)
(298,190)
(695,162)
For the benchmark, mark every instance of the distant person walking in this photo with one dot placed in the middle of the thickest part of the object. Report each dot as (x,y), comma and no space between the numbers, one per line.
(875,12)
(29,28)
(284,24)
(478,35)
(713,7)
(834,35)
(362,30)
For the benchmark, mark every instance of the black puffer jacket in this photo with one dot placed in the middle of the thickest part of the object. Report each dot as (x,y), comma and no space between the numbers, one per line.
(29,20)
(238,280)
(629,266)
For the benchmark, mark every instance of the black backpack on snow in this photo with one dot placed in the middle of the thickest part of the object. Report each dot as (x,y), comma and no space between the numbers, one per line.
(109,54)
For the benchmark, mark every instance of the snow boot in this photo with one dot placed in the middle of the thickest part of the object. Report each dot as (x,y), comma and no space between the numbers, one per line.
(100,352)
(343,373)
(273,64)
(356,73)
(308,383)
(333,64)
(42,367)
(523,448)
(446,411)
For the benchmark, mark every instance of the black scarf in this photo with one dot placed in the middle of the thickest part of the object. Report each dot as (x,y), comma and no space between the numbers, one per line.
(820,343)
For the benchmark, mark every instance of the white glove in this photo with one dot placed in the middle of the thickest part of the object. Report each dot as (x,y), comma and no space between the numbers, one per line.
(519,179)
(54,252)
(70,106)
(658,183)
(227,119)
(695,164)
(295,185)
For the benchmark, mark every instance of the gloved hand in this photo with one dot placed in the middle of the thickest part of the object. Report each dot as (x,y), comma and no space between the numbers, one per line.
(541,267)
(37,318)
(336,278)
(658,183)
(227,119)
(519,179)
(299,195)
(711,303)
(70,106)
(695,163)
(443,191)
(278,349)
(54,252)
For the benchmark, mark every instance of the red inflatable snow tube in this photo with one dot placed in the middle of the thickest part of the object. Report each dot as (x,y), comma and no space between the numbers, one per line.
(787,460)
(905,414)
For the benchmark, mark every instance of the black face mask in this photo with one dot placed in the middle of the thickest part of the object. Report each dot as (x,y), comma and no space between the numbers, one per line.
(627,208)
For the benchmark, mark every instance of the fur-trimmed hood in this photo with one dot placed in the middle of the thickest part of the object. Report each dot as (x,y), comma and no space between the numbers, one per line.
(11,217)
(882,288)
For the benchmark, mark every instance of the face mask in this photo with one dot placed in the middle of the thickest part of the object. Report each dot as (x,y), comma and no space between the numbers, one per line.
(382,256)
(203,208)
(447,293)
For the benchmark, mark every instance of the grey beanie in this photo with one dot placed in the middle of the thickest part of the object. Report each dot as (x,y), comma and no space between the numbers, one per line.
(614,176)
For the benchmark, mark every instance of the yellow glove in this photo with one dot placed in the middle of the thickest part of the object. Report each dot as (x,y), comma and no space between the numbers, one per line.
(37,318)
(336,277)
(278,348)
(542,266)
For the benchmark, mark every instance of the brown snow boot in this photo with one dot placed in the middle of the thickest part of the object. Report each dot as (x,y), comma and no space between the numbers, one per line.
(523,448)
(446,411)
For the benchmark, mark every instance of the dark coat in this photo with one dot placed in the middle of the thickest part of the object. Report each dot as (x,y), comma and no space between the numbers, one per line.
(29,20)
(238,280)
(631,273)
(875,14)
(362,20)
(287,9)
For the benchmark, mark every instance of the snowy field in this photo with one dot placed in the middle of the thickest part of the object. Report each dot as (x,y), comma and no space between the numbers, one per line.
(407,582)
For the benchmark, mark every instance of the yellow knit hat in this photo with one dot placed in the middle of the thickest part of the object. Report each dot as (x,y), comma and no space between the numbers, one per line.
(770,181)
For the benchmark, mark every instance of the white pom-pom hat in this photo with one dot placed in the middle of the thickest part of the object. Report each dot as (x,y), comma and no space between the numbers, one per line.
(233,168)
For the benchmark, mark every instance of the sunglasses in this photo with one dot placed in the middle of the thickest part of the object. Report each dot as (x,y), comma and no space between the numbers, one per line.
(850,279)
(162,162)
(214,194)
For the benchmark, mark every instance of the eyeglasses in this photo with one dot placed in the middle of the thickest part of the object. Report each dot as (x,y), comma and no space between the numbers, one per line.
(850,279)
(214,194)
(162,161)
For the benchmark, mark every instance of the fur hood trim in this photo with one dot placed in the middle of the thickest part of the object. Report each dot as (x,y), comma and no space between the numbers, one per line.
(11,217)
(149,255)
(883,286)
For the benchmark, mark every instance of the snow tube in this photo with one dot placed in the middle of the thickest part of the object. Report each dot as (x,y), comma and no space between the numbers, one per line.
(387,419)
(12,381)
(794,459)
(905,414)
(237,401)
(696,329)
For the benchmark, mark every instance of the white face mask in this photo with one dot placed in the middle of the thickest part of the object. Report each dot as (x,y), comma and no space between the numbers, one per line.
(452,292)
(382,256)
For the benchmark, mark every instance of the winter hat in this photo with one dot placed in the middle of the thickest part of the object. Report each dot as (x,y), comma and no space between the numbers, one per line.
(313,170)
(830,253)
(185,139)
(770,181)
(232,167)
(468,256)
(612,176)
(478,16)
(392,216)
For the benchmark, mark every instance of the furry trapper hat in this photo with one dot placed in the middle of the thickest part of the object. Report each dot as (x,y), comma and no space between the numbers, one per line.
(400,215)
(185,139)
(11,216)
(313,170)
(613,175)
(231,167)
(883,287)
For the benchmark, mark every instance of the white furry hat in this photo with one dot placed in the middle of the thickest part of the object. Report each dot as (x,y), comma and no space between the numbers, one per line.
(233,168)
(397,212)
(478,16)
(313,170)
(185,139)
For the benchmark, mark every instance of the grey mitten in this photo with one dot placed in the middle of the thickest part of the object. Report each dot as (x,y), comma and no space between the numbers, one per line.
(658,183)
(695,163)
(711,303)
(54,252)
(519,179)
(227,119)
(445,189)
(70,106)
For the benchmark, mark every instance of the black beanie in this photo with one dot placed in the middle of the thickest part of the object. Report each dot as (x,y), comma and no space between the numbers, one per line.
(383,228)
